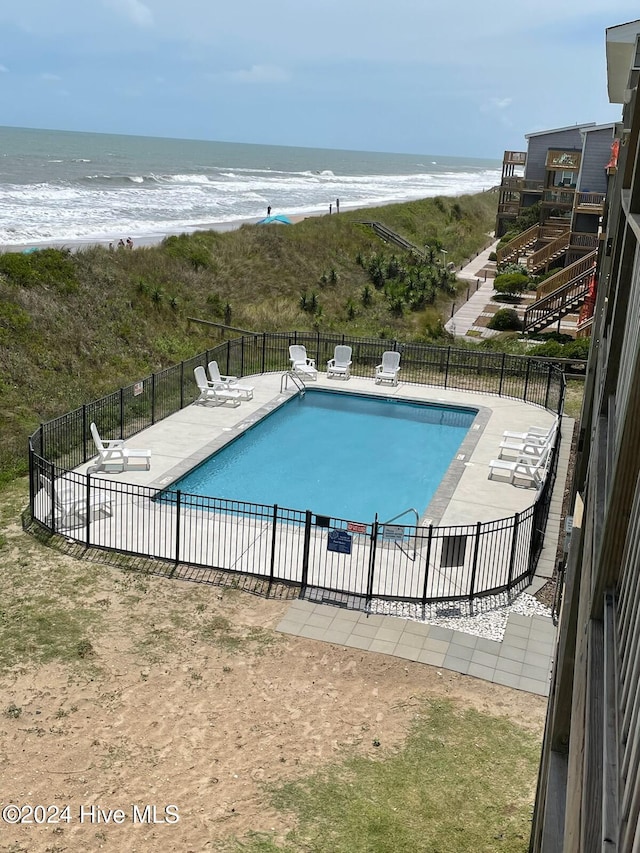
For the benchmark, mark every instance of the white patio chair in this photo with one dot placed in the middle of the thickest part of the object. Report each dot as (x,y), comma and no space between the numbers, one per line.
(70,500)
(534,435)
(114,457)
(228,382)
(530,469)
(340,364)
(527,447)
(301,363)
(210,393)
(215,375)
(387,371)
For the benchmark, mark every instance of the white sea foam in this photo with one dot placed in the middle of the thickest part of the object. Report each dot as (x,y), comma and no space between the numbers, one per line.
(153,197)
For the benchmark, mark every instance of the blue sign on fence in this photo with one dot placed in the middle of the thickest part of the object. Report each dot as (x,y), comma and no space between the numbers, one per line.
(340,541)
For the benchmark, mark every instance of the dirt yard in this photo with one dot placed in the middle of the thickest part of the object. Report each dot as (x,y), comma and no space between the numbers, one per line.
(122,690)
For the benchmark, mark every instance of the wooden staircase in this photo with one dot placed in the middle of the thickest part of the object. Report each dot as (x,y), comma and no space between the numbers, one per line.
(556,239)
(520,245)
(541,259)
(560,294)
(390,236)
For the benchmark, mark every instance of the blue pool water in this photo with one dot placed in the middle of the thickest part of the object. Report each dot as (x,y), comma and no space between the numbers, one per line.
(337,454)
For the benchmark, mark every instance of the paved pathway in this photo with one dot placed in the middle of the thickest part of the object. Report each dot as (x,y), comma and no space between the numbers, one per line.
(522,660)
(465,317)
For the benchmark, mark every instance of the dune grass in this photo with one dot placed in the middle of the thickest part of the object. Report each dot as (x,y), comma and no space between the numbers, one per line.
(74,327)
(461,783)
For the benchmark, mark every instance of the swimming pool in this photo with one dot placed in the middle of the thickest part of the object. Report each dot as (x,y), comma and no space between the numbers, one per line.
(337,454)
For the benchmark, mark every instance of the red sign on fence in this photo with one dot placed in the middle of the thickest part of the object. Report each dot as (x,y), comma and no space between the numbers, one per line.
(356,527)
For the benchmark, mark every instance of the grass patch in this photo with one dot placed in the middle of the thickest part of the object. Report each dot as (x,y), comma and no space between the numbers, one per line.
(44,614)
(573,399)
(462,783)
(39,629)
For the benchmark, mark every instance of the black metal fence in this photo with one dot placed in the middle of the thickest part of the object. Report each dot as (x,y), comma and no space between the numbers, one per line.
(347,561)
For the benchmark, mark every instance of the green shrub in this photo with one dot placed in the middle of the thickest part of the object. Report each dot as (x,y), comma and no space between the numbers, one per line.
(53,267)
(493,256)
(505,320)
(555,349)
(511,283)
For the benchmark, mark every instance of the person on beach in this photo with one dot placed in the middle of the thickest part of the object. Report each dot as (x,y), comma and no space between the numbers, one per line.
(129,243)
(268,210)
(337,205)
(121,243)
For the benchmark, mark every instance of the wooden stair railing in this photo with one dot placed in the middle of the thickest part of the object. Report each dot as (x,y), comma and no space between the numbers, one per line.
(565,275)
(544,256)
(562,301)
(391,237)
(519,244)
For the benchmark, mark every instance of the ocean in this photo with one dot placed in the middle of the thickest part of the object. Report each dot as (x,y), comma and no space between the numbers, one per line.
(69,188)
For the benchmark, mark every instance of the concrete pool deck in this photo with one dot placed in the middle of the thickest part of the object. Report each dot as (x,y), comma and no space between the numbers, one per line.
(522,658)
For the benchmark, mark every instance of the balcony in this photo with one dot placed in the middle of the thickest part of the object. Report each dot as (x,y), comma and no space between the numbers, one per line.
(562,199)
(589,203)
(583,241)
(521,185)
(509,208)
(515,158)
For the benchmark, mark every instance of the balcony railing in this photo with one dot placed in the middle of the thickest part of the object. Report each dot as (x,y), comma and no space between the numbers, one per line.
(589,202)
(558,198)
(522,184)
(509,208)
(518,158)
(581,240)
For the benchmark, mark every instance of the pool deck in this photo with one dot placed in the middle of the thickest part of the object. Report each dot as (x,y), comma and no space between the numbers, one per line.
(522,659)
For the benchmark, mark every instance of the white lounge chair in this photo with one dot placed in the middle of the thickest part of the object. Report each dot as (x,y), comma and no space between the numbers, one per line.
(67,502)
(534,435)
(530,469)
(212,393)
(340,364)
(388,370)
(114,457)
(527,447)
(230,383)
(301,363)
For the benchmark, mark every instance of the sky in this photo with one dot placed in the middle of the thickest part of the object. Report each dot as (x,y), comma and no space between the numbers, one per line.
(416,76)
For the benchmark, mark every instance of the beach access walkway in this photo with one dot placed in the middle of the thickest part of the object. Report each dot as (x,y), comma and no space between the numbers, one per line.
(465,318)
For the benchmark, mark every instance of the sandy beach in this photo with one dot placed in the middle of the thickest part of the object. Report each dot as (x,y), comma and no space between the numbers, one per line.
(153,239)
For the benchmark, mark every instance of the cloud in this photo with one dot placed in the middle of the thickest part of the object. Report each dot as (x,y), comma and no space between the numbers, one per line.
(138,13)
(259,74)
(501,103)
(54,78)
(4,69)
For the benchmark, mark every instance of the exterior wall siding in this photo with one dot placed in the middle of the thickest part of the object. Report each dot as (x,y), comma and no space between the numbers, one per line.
(595,156)
(539,145)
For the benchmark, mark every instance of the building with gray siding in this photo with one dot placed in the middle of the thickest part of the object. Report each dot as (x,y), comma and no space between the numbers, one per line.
(588,796)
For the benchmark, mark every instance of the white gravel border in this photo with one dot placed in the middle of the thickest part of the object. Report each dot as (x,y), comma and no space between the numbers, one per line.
(485,617)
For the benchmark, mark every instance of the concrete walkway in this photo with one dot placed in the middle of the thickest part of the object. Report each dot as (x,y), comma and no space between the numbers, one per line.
(466,316)
(522,660)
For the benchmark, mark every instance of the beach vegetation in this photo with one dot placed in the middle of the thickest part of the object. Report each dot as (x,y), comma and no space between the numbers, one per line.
(505,320)
(511,283)
(77,325)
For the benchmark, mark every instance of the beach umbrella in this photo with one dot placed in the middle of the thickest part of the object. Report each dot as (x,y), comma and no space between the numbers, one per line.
(279,217)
